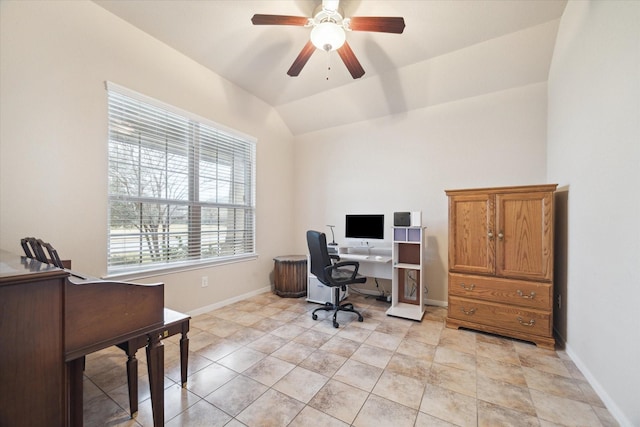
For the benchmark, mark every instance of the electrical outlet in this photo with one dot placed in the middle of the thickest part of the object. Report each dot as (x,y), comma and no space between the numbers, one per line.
(205,281)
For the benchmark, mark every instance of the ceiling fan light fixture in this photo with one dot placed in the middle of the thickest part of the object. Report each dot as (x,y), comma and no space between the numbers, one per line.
(328,36)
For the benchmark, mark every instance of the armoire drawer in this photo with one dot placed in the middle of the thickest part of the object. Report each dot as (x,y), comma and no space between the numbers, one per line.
(508,291)
(504,316)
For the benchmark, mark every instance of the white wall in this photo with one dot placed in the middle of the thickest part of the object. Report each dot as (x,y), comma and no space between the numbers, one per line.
(405,162)
(594,153)
(54,59)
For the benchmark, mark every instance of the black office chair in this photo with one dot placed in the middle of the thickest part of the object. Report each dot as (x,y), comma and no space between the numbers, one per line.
(334,274)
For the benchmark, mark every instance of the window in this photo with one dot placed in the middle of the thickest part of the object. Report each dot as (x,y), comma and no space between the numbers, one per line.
(181,188)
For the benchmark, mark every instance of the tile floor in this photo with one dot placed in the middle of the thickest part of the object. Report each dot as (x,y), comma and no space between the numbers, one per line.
(264,362)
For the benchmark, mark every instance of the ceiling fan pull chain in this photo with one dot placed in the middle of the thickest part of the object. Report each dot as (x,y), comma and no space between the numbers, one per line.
(328,63)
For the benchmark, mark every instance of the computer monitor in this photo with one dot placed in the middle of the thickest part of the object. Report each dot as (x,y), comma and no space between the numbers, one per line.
(367,227)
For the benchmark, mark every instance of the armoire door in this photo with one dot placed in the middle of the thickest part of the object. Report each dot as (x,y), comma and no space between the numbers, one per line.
(524,235)
(472,233)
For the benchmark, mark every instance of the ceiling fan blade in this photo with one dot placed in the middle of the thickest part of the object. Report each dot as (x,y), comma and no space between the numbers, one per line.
(302,59)
(350,60)
(259,19)
(380,24)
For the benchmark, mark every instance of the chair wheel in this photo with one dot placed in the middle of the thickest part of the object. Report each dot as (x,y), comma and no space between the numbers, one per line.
(314,316)
(360,319)
(335,324)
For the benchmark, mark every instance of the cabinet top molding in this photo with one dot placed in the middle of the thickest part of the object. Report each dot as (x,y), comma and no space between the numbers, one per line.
(513,189)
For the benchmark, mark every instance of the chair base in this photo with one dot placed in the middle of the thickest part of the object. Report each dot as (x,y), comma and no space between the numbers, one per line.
(336,307)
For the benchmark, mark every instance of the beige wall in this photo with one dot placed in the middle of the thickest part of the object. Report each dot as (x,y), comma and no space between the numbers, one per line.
(594,154)
(405,162)
(55,58)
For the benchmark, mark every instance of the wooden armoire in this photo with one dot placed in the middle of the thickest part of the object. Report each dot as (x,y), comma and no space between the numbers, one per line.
(501,261)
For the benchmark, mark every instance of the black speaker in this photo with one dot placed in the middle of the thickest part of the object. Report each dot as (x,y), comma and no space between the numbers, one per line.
(402,219)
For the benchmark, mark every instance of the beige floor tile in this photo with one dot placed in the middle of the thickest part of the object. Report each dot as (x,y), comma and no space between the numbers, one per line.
(414,367)
(268,343)
(263,358)
(501,371)
(301,384)
(457,380)
(449,406)
(545,363)
(217,351)
(358,374)
(341,346)
(497,350)
(455,359)
(209,379)
(354,334)
(384,340)
(505,395)
(417,349)
(564,411)
(339,400)
(234,396)
(426,335)
(221,328)
(313,338)
(269,370)
(262,413)
(374,356)
(246,335)
(248,319)
(288,331)
(556,385)
(391,326)
(382,412)
(458,339)
(312,417)
(425,420)
(293,352)
(401,389)
(200,414)
(267,324)
(323,362)
(242,359)
(490,415)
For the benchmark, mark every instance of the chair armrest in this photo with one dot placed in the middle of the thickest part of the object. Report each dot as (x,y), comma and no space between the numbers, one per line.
(354,272)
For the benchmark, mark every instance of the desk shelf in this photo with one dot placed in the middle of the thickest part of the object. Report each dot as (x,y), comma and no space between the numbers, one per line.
(407,299)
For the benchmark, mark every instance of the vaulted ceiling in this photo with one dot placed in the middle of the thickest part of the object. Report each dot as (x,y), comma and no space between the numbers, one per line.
(450,49)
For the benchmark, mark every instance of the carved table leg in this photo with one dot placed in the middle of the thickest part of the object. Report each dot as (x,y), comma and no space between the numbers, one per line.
(155,363)
(132,380)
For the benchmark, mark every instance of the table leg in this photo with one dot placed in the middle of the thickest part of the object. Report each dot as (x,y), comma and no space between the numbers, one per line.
(184,357)
(155,363)
(75,370)
(132,380)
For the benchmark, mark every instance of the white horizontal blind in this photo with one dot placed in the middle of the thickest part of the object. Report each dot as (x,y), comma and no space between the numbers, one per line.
(181,189)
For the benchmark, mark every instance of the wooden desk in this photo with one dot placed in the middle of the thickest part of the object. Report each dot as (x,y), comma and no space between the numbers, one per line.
(174,323)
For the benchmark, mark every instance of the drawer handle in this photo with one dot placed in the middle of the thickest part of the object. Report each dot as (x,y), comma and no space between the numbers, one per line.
(532,295)
(467,288)
(468,312)
(523,323)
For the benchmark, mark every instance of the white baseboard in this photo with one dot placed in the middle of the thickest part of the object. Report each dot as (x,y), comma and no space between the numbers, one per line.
(611,405)
(221,304)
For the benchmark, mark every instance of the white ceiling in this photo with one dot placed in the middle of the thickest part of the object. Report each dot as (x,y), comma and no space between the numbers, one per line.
(219,35)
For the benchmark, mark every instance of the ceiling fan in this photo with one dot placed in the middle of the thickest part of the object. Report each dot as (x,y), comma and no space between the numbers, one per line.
(328,33)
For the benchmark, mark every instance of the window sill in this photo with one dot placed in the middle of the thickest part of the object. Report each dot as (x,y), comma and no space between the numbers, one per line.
(176,268)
